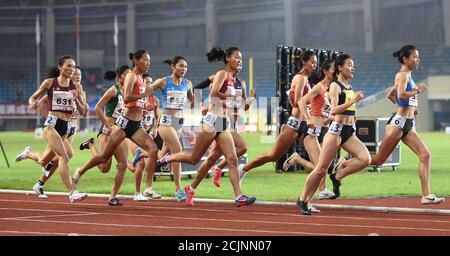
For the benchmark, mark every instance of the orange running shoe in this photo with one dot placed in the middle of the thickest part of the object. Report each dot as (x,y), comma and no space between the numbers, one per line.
(189,195)
(216,173)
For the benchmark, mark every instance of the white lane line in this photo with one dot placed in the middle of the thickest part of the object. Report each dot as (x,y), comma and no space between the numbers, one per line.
(51,216)
(320,206)
(178,227)
(45,233)
(246,221)
(184,208)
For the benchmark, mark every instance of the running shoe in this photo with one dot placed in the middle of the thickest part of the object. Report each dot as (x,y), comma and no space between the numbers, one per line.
(163,161)
(432,199)
(114,202)
(137,156)
(336,166)
(39,190)
(24,154)
(150,193)
(241,172)
(76,178)
(189,195)
(244,200)
(46,169)
(85,145)
(180,195)
(287,164)
(336,185)
(313,209)
(216,174)
(326,194)
(140,197)
(303,207)
(77,196)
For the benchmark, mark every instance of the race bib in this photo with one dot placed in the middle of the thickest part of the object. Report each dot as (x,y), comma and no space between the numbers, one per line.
(122,122)
(120,107)
(293,123)
(398,121)
(237,101)
(141,102)
(51,121)
(209,119)
(315,130)
(165,120)
(336,128)
(413,101)
(147,120)
(176,99)
(326,108)
(62,101)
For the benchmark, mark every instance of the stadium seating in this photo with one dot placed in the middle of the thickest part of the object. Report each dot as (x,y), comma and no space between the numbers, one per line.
(374,72)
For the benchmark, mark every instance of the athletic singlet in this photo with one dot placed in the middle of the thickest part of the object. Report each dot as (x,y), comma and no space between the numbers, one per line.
(237,102)
(227,86)
(60,98)
(345,96)
(174,96)
(293,100)
(412,101)
(320,104)
(138,88)
(152,102)
(115,106)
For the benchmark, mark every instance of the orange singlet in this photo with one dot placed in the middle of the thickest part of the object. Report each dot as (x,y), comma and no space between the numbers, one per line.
(318,104)
(138,88)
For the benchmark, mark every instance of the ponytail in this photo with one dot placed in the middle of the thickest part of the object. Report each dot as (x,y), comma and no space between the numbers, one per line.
(405,51)
(110,75)
(217,54)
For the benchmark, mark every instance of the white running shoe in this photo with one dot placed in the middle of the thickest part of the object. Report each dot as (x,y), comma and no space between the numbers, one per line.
(287,164)
(150,193)
(47,168)
(140,197)
(39,190)
(76,178)
(339,162)
(432,199)
(77,196)
(326,194)
(313,209)
(24,154)
(241,173)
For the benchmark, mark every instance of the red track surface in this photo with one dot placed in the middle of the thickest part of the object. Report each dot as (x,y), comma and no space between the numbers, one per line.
(26,215)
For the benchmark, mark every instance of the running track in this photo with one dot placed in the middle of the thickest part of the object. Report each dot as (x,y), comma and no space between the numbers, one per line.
(26,215)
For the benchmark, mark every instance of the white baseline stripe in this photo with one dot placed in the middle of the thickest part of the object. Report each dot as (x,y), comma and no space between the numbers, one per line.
(319,206)
(247,221)
(177,227)
(51,216)
(236,211)
(44,233)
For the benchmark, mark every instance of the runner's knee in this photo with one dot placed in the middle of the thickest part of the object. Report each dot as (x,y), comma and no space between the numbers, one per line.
(424,155)
(242,150)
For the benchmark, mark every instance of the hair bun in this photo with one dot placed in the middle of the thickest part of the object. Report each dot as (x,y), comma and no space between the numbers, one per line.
(110,75)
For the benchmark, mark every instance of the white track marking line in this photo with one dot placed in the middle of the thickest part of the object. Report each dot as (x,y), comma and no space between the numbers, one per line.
(178,227)
(184,208)
(44,233)
(244,221)
(51,216)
